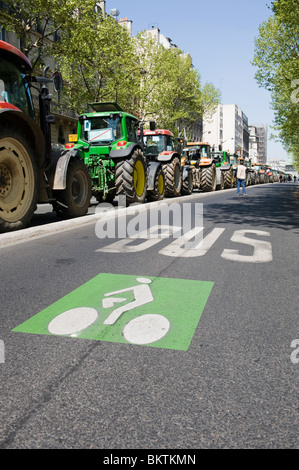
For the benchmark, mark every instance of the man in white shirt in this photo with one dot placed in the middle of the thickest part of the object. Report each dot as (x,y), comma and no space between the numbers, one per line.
(241,175)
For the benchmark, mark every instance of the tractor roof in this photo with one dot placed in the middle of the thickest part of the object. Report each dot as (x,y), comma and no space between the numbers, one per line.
(104,107)
(14,55)
(193,144)
(157,132)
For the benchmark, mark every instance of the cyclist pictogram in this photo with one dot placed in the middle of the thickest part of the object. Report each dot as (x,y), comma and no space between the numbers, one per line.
(147,311)
(144,329)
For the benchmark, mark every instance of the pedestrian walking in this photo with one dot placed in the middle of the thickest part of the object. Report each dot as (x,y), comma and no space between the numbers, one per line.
(241,175)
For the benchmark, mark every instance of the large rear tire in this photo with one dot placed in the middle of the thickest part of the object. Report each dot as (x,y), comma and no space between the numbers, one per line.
(18,181)
(187,186)
(208,178)
(173,179)
(131,178)
(228,178)
(74,200)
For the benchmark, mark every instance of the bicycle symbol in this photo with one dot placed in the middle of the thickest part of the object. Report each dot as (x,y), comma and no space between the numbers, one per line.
(143,329)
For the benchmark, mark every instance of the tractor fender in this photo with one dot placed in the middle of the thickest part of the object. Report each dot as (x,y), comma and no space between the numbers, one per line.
(225,167)
(60,166)
(123,152)
(185,171)
(167,156)
(152,168)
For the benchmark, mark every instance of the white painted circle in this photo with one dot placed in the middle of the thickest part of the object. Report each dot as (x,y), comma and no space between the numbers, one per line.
(73,321)
(146,329)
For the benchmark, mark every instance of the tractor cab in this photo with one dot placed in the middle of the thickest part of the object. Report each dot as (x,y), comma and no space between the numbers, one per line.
(14,88)
(220,157)
(105,124)
(196,154)
(157,141)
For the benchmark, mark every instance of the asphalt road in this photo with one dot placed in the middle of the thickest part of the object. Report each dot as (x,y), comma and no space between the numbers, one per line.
(201,358)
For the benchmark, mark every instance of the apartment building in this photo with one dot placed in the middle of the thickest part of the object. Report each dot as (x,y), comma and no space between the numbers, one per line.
(258,144)
(228,129)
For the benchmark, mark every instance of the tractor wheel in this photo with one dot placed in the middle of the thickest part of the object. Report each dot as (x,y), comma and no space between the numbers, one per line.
(228,179)
(208,178)
(158,193)
(187,185)
(173,179)
(73,201)
(131,178)
(222,180)
(18,181)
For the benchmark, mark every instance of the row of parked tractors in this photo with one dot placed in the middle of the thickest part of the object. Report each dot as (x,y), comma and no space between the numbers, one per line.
(110,155)
(150,164)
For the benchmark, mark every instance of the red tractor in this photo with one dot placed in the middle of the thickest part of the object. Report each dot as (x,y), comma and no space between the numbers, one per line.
(161,151)
(30,172)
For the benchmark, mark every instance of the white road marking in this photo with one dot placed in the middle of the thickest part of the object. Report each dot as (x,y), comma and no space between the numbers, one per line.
(262,250)
(146,329)
(142,294)
(73,321)
(195,249)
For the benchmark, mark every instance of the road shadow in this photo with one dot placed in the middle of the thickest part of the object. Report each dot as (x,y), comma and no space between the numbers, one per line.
(274,206)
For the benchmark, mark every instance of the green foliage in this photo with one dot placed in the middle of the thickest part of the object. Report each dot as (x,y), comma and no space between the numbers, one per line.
(277,61)
(170,91)
(97,61)
(100,61)
(35,23)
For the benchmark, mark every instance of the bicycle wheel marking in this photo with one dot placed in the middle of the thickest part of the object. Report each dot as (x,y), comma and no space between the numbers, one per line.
(149,311)
(73,321)
(146,329)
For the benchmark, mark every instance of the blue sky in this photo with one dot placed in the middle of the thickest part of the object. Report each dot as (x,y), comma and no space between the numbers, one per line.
(219,35)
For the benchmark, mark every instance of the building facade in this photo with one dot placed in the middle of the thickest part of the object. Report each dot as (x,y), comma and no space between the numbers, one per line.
(227,129)
(258,144)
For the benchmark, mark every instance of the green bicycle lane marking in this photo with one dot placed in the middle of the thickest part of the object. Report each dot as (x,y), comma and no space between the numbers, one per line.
(147,311)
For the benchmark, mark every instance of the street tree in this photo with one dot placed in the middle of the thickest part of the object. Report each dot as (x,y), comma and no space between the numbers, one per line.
(37,23)
(170,90)
(97,61)
(277,61)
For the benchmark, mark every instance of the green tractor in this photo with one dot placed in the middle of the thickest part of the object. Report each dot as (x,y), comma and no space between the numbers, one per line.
(222,161)
(210,169)
(108,143)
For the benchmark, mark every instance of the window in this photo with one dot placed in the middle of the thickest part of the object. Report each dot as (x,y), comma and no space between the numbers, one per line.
(169,143)
(61,139)
(14,89)
(2,34)
(131,129)
(102,130)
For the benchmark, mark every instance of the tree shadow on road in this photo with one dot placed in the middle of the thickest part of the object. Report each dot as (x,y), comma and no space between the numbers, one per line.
(275,206)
